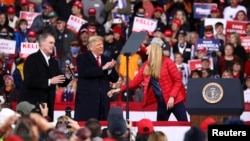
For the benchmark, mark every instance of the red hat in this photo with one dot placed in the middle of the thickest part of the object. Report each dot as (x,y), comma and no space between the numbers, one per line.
(91,29)
(214,9)
(91,11)
(109,139)
(206,122)
(177,21)
(117,29)
(11,10)
(13,138)
(8,76)
(78,4)
(31,4)
(158,8)
(168,33)
(202,49)
(145,126)
(31,33)
(24,2)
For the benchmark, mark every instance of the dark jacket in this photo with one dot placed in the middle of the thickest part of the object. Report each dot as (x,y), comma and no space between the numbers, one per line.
(92,87)
(35,86)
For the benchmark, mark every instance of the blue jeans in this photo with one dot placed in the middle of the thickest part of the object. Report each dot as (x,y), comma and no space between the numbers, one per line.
(178,110)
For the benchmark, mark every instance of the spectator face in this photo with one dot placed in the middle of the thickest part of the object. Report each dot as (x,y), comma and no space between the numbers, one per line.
(157,14)
(228,50)
(23,26)
(2,19)
(84,37)
(181,38)
(193,38)
(60,25)
(47,46)
(8,82)
(226,74)
(178,58)
(232,39)
(240,16)
(236,67)
(215,14)
(174,27)
(205,64)
(219,30)
(195,75)
(204,74)
(75,10)
(46,11)
(180,15)
(158,34)
(234,2)
(31,39)
(109,38)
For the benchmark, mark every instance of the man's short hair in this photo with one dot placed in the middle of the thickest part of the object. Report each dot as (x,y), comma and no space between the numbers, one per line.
(218,24)
(42,37)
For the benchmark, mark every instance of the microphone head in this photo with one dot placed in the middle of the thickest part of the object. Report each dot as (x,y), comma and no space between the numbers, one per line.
(67,62)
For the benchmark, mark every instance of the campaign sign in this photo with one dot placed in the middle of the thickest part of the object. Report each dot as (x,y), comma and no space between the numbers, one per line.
(75,23)
(29,16)
(236,26)
(209,44)
(245,42)
(28,48)
(7,46)
(202,10)
(213,21)
(195,64)
(144,24)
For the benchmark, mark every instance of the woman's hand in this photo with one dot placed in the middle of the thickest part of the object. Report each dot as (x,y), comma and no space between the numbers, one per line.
(170,103)
(113,92)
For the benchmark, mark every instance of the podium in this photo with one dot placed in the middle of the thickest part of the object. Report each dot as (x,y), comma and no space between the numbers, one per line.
(217,98)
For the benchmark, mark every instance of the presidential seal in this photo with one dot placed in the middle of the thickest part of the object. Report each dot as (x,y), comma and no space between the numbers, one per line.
(212,92)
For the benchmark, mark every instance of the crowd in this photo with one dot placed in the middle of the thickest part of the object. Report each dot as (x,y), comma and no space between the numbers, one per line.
(177,30)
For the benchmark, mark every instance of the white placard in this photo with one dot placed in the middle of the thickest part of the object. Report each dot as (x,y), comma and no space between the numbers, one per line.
(75,23)
(7,46)
(144,24)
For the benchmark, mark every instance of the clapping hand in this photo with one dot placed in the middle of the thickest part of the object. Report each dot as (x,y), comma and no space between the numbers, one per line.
(113,92)
(109,65)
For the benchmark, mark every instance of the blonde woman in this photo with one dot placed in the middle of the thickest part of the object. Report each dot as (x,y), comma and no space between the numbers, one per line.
(162,84)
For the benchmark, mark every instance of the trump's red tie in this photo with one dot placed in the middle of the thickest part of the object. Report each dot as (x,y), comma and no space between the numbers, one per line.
(98,61)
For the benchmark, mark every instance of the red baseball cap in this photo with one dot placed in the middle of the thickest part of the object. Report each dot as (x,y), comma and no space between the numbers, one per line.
(158,8)
(78,4)
(91,11)
(202,49)
(214,9)
(91,29)
(32,33)
(145,126)
(8,76)
(177,21)
(11,10)
(117,29)
(206,122)
(24,2)
(168,33)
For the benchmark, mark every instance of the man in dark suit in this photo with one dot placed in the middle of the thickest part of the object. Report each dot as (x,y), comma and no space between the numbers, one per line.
(42,74)
(95,72)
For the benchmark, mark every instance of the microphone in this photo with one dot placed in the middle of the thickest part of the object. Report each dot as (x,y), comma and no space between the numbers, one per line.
(68,65)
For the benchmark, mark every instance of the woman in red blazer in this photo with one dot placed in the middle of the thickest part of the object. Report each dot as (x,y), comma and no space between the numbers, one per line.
(162,84)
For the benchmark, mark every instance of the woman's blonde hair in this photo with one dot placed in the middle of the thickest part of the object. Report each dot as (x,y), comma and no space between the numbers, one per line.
(153,67)
(157,136)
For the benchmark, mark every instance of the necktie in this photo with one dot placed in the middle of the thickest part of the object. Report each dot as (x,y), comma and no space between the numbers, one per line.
(98,61)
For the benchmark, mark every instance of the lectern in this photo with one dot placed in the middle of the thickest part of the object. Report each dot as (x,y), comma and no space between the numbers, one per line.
(218,98)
